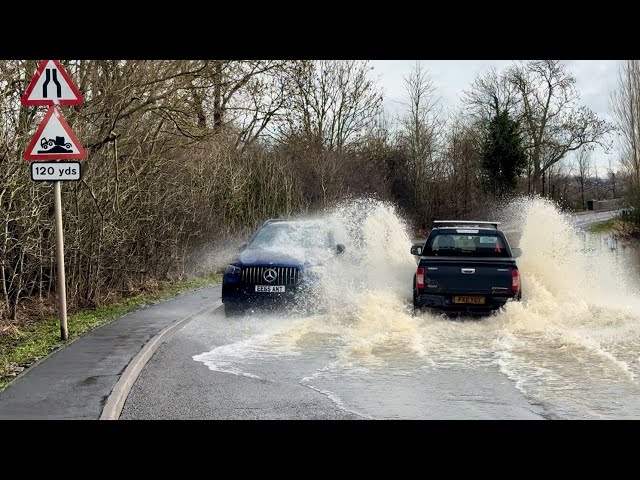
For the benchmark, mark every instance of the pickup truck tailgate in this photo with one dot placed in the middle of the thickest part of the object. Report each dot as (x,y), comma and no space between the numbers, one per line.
(471,277)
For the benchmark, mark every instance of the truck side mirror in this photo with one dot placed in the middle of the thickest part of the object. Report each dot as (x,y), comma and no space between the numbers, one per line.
(416,250)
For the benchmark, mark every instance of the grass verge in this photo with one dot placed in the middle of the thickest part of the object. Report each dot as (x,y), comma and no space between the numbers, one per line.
(26,345)
(605,226)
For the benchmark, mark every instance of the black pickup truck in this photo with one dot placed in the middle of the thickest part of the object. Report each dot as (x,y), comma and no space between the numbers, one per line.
(465,266)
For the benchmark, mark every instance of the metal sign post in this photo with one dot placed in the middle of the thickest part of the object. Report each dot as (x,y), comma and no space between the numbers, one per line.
(62,286)
(54,141)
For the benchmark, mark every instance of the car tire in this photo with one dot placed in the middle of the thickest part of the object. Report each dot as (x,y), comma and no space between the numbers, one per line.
(233,309)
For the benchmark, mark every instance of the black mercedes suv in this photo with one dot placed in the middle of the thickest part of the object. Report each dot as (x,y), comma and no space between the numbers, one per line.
(276,264)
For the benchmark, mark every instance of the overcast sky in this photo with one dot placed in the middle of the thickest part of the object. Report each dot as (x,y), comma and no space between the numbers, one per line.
(595,79)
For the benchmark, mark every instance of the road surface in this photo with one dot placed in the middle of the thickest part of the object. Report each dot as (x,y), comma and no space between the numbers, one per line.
(174,386)
(586,219)
(256,376)
(75,381)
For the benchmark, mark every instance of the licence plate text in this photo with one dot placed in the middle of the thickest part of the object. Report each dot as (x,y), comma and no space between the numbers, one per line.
(270,288)
(476,300)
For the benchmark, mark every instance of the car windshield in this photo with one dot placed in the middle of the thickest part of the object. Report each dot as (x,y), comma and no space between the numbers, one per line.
(301,235)
(466,244)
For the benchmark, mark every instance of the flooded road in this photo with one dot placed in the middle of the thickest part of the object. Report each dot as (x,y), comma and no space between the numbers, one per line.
(570,349)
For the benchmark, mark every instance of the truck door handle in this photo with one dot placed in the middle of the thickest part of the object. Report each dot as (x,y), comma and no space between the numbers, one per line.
(468,270)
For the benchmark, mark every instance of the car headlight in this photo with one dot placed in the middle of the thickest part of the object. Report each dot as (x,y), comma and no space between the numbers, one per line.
(233,269)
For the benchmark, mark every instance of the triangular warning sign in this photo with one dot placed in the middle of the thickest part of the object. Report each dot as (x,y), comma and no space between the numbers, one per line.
(51,85)
(54,140)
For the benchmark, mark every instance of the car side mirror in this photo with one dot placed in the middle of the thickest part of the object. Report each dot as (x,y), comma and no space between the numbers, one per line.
(340,248)
(516,252)
(416,250)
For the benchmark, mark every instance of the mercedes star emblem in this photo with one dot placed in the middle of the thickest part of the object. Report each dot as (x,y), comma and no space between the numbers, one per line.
(269,275)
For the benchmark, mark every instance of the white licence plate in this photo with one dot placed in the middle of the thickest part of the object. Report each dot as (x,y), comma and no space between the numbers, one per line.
(270,288)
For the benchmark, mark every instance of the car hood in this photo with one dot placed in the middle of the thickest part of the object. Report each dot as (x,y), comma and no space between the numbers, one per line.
(300,258)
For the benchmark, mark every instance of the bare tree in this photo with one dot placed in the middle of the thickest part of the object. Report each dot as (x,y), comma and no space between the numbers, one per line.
(246,95)
(625,101)
(421,123)
(421,127)
(332,102)
(583,168)
(463,157)
(489,95)
(553,122)
(612,177)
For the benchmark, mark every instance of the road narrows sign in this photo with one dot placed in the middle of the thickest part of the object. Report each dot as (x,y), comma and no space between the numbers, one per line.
(54,139)
(51,85)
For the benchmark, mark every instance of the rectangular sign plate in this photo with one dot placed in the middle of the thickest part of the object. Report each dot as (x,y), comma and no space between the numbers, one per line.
(55,171)
(270,288)
(473,299)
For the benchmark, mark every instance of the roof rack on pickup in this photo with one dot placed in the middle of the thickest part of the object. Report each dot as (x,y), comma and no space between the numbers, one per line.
(468,223)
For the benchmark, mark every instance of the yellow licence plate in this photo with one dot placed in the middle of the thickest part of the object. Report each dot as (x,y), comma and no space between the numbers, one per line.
(476,300)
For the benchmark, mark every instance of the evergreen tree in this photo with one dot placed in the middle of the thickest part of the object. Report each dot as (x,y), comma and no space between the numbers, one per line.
(503,155)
